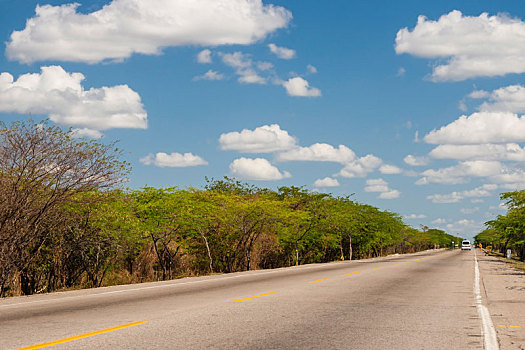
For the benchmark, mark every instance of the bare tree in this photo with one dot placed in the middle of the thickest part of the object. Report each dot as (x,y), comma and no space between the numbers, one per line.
(42,168)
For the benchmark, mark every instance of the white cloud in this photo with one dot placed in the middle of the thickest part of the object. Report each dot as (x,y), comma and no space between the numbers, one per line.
(461,172)
(204,56)
(468,211)
(381,186)
(124,27)
(282,52)
(243,65)
(481,127)
(476,200)
(392,194)
(390,169)
(476,94)
(415,161)
(505,152)
(173,160)
(507,99)
(311,69)
(61,96)
(300,87)
(264,66)
(319,152)
(264,139)
(256,169)
(326,182)
(439,221)
(471,46)
(210,75)
(414,216)
(85,132)
(376,185)
(360,167)
(455,197)
(401,72)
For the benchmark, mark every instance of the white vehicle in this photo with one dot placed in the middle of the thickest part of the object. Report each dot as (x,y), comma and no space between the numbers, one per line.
(465,245)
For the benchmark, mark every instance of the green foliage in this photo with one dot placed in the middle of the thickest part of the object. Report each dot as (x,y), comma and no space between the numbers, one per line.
(507,231)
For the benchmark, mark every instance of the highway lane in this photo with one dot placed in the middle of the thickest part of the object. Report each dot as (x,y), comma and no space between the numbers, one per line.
(424,300)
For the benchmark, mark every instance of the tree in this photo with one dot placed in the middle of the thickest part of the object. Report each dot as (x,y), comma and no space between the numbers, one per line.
(42,168)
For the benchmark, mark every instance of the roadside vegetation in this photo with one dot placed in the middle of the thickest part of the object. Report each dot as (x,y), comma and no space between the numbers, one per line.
(66,222)
(507,231)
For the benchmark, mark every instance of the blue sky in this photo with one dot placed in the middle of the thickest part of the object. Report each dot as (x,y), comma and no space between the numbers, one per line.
(422,117)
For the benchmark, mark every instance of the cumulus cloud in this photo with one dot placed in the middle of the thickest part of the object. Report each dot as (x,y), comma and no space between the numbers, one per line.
(381,186)
(390,169)
(282,52)
(256,169)
(455,197)
(326,182)
(439,221)
(319,152)
(469,211)
(300,87)
(124,27)
(243,65)
(461,172)
(360,167)
(264,139)
(480,127)
(470,46)
(204,56)
(505,152)
(60,95)
(415,161)
(311,69)
(210,75)
(85,132)
(414,216)
(506,99)
(173,160)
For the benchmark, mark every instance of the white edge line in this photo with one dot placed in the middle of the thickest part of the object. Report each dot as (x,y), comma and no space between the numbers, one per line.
(489,332)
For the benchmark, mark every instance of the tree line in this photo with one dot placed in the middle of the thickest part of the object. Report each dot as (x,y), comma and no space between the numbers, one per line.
(507,231)
(65,221)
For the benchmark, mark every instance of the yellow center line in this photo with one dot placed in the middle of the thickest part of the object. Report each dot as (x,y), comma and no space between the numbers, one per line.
(255,296)
(379,267)
(85,335)
(396,265)
(322,279)
(503,325)
(417,259)
(353,273)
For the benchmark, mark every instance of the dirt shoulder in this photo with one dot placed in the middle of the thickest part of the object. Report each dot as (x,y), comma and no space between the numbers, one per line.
(504,294)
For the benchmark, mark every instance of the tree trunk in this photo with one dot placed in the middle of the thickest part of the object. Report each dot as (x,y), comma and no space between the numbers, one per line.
(350,251)
(208,250)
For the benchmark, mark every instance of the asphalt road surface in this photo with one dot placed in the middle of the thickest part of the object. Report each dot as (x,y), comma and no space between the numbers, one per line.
(417,301)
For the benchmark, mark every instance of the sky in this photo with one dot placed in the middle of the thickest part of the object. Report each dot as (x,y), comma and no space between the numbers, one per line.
(411,106)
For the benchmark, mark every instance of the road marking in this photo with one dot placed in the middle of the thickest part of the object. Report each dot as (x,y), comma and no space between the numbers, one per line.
(508,326)
(417,259)
(85,335)
(353,273)
(489,333)
(379,267)
(322,279)
(255,296)
(396,265)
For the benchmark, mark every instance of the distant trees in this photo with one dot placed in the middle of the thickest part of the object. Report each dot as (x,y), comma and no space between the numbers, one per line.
(507,231)
(64,223)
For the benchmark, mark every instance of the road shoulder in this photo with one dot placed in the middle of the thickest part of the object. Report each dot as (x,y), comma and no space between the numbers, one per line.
(503,289)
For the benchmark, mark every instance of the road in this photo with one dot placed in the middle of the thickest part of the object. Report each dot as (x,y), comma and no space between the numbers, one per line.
(416,301)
